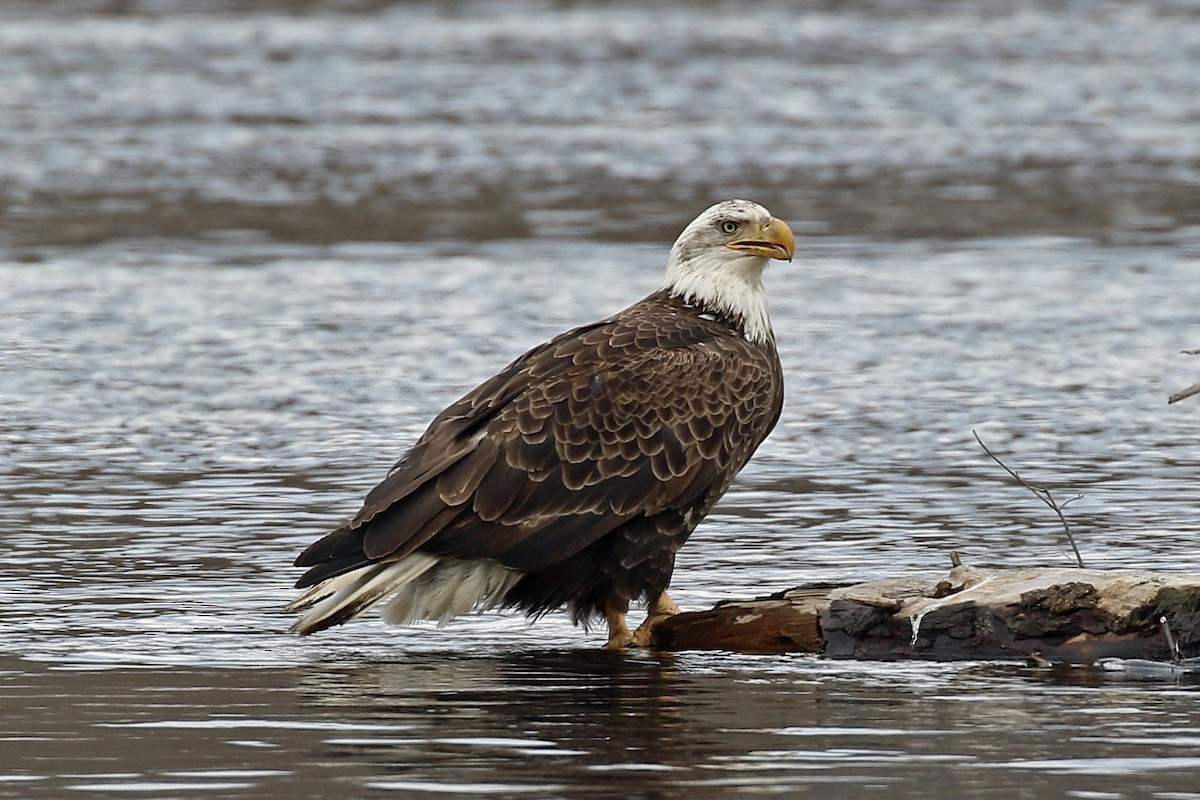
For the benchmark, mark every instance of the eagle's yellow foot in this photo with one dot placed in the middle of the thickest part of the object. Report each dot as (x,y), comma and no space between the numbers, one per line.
(663,607)
(619,636)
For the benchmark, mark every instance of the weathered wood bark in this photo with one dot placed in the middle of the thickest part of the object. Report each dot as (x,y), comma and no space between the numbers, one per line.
(1072,615)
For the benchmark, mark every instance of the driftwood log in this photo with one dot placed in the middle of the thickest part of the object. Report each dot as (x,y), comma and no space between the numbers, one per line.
(1069,615)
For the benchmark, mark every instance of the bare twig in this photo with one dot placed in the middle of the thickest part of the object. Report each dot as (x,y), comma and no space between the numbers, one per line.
(1172,644)
(1191,390)
(1188,392)
(1042,493)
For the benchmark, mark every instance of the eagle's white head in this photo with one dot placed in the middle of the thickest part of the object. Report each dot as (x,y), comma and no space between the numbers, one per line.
(718,262)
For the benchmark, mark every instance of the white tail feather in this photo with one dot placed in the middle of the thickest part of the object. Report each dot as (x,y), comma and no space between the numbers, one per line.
(360,588)
(426,587)
(320,591)
(453,587)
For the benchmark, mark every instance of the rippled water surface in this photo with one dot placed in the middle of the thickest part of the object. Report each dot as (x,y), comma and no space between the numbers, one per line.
(181,419)
(244,258)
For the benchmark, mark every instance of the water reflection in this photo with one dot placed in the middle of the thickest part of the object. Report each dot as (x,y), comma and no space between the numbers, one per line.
(517,718)
(670,726)
(570,723)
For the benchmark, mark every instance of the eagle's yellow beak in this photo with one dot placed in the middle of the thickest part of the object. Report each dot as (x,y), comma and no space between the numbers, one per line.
(776,241)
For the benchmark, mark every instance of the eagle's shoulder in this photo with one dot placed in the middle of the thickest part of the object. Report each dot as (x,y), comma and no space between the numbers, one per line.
(662,336)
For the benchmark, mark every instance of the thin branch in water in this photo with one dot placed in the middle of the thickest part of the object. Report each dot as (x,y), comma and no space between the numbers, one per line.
(1191,390)
(1172,644)
(1042,493)
(1188,392)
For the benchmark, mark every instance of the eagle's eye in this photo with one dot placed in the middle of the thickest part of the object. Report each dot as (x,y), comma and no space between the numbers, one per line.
(728,226)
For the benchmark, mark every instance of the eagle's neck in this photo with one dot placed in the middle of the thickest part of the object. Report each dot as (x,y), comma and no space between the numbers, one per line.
(726,286)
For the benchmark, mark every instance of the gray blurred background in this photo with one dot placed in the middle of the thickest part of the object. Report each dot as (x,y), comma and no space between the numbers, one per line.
(329,121)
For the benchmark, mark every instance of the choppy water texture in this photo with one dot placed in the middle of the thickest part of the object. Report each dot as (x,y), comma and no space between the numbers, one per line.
(245,256)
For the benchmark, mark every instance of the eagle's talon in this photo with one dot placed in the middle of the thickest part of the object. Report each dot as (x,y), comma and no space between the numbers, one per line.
(620,641)
(619,636)
(663,609)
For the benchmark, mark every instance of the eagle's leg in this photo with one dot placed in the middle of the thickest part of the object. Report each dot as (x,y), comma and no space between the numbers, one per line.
(663,607)
(619,636)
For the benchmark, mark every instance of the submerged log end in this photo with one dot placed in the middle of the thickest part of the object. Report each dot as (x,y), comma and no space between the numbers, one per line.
(783,623)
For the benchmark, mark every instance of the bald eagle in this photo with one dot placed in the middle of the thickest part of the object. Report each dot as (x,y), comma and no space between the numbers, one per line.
(574,475)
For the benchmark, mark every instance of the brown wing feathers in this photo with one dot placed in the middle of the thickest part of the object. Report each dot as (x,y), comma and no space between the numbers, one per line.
(650,411)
